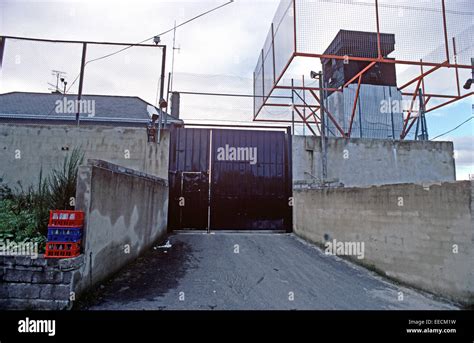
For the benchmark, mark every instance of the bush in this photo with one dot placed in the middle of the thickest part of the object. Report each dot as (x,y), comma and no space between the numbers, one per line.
(19,225)
(24,214)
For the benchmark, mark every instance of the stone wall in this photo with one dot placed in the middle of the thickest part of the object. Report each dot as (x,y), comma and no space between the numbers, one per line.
(41,284)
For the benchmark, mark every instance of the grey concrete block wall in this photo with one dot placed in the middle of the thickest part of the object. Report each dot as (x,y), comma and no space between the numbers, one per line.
(413,243)
(26,149)
(40,284)
(126,211)
(365,162)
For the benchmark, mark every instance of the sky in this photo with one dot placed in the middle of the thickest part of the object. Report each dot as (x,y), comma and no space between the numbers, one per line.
(215,53)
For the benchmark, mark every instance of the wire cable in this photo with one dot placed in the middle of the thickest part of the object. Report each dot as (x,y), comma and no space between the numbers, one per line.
(159,34)
(457,127)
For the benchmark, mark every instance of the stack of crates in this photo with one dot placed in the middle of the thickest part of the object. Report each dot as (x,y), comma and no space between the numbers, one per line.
(64,234)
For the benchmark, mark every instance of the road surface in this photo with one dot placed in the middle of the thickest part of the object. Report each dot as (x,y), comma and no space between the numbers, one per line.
(250,271)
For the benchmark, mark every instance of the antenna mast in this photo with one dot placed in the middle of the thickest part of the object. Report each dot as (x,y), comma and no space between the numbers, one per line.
(59,74)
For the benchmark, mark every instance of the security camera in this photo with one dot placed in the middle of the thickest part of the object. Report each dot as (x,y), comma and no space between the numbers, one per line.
(157,40)
(468,84)
(152,112)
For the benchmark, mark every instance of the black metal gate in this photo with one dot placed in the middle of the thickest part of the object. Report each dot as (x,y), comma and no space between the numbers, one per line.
(229,179)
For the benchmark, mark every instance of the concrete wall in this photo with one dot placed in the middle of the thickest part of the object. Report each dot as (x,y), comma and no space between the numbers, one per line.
(365,162)
(37,283)
(412,243)
(125,213)
(25,149)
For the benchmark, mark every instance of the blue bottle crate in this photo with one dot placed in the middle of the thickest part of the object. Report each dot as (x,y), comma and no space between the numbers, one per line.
(64,234)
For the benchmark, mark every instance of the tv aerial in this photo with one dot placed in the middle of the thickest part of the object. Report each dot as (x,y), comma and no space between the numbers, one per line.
(59,77)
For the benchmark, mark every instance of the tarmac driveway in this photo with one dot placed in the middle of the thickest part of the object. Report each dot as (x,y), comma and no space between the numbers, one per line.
(250,271)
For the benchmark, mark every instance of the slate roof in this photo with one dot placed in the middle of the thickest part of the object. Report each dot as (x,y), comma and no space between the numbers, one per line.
(42,106)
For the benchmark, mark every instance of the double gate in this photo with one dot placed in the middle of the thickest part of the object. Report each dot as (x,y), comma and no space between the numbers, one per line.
(224,179)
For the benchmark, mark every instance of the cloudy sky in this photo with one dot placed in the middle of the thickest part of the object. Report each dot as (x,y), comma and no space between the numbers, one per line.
(217,53)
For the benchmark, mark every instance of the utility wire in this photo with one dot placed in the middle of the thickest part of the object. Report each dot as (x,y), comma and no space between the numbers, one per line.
(162,33)
(159,34)
(457,127)
(224,120)
(235,95)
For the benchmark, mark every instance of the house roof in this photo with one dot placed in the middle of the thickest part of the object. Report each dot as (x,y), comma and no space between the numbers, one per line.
(107,108)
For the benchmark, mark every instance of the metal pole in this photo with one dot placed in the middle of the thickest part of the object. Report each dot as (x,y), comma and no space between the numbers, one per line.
(172,57)
(391,111)
(360,119)
(304,100)
(292,107)
(273,54)
(422,81)
(209,199)
(162,81)
(81,79)
(379,48)
(323,129)
(289,174)
(168,91)
(165,115)
(255,98)
(162,89)
(421,120)
(472,70)
(295,46)
(456,69)
(445,30)
(160,116)
(416,128)
(2,48)
(424,128)
(420,97)
(81,42)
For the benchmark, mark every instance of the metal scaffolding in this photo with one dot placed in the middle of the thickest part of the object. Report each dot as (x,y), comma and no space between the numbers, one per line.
(301,30)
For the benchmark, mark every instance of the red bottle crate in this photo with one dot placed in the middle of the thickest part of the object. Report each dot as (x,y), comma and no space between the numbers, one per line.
(62,249)
(65,218)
